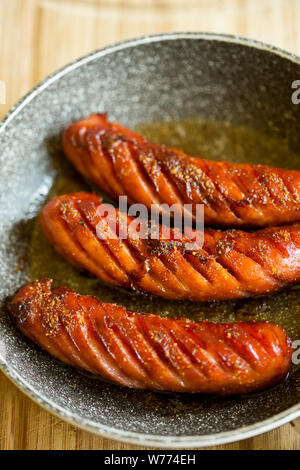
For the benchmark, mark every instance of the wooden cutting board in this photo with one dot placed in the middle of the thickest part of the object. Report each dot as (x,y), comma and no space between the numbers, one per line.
(39,36)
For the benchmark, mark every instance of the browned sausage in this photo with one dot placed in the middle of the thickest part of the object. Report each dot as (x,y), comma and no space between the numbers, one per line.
(122,162)
(147,351)
(231,264)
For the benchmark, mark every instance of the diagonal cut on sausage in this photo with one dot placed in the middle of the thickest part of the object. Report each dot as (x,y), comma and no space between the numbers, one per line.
(122,162)
(141,350)
(231,264)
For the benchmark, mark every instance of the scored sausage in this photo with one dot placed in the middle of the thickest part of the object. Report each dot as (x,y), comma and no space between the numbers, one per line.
(122,162)
(230,265)
(140,350)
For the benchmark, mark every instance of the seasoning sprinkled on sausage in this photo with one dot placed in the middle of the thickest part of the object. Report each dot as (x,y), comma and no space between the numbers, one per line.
(141,350)
(231,264)
(121,162)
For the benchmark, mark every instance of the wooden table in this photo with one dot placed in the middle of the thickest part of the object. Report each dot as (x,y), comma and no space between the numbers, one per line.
(39,36)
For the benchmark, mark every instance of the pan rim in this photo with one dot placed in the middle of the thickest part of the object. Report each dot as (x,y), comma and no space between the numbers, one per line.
(152,440)
(141,439)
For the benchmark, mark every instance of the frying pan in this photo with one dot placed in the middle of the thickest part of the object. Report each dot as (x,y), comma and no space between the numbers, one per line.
(158,78)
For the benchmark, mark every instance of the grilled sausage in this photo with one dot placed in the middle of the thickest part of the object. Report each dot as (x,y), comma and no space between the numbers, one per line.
(148,351)
(231,264)
(122,162)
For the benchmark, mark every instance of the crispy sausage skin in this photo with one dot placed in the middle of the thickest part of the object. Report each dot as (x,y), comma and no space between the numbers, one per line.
(122,162)
(231,264)
(148,351)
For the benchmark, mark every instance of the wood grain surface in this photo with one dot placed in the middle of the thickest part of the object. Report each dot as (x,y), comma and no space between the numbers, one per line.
(39,36)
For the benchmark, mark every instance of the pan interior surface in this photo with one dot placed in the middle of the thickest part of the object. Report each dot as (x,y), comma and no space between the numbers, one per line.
(213,98)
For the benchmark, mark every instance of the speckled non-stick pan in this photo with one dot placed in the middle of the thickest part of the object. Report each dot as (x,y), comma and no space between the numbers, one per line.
(244,85)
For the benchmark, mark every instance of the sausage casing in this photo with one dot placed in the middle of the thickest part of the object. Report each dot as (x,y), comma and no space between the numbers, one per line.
(231,264)
(148,351)
(122,162)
